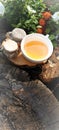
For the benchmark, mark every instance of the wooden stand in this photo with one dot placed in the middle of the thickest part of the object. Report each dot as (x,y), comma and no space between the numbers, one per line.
(20,60)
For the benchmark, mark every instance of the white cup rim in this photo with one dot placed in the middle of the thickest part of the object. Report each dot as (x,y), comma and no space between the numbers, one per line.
(47,41)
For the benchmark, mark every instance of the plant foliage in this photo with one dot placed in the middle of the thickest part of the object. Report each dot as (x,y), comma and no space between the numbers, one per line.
(18,15)
(32,16)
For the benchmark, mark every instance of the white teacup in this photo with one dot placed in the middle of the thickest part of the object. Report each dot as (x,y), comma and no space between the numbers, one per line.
(40,38)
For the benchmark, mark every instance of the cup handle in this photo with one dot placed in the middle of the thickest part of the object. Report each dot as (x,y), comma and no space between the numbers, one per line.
(47,36)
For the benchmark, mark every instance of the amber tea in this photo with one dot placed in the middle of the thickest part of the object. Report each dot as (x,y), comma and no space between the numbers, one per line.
(36,50)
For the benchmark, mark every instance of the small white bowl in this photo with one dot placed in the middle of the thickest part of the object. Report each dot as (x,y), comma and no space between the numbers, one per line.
(37,37)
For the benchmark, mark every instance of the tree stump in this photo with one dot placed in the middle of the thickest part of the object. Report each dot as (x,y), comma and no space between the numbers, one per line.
(50,72)
(50,69)
(25,104)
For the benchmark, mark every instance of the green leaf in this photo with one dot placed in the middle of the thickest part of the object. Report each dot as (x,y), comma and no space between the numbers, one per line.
(17,14)
(52,37)
(47,30)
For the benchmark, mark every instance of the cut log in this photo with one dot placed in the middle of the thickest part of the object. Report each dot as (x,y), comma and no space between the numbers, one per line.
(17,34)
(10,45)
(10,48)
(20,60)
(50,70)
(27,106)
(50,73)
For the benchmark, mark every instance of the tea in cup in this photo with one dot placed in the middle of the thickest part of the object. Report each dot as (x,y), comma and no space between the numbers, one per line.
(36,47)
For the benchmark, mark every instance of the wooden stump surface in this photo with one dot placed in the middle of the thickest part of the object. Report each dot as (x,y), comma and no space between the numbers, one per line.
(25,104)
